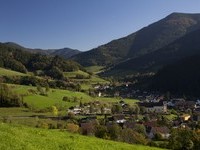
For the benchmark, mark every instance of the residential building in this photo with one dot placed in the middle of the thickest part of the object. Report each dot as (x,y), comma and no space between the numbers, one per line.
(157,107)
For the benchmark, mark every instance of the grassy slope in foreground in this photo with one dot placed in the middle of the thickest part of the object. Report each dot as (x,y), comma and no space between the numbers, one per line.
(19,137)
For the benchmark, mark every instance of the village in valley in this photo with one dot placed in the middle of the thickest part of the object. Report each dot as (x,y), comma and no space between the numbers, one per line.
(100,75)
(154,115)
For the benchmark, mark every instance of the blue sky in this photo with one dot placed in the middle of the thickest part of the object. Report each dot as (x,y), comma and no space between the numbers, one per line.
(81,24)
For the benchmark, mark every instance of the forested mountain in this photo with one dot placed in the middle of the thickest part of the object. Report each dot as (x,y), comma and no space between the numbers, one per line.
(187,45)
(64,52)
(20,60)
(142,42)
(182,77)
(159,44)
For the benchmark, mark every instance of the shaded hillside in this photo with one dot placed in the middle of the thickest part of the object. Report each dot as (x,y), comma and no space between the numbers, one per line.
(106,54)
(182,77)
(144,41)
(186,46)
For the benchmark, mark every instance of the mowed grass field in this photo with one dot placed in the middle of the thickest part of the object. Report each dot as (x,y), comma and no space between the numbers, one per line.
(94,69)
(74,73)
(85,83)
(14,137)
(55,97)
(7,72)
(19,112)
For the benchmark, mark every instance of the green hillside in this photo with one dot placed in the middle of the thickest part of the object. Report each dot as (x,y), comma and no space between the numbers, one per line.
(6,72)
(84,79)
(74,73)
(18,59)
(19,137)
(94,69)
(55,96)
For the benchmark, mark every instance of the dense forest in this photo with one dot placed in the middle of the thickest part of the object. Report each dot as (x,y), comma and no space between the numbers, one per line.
(182,77)
(42,65)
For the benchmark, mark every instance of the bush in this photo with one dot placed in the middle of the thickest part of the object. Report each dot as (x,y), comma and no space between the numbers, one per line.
(54,110)
(132,137)
(71,127)
(55,73)
(158,137)
(66,99)
(114,132)
(101,132)
(60,125)
(8,98)
(42,124)
(71,115)
(184,139)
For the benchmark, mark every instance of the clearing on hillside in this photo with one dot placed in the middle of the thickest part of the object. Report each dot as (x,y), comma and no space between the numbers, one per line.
(7,72)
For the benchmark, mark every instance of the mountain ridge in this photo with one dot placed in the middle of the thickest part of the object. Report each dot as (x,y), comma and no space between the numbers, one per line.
(62,52)
(143,41)
(185,46)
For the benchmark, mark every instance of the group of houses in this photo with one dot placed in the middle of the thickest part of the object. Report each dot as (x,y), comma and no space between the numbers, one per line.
(92,108)
(151,105)
(154,107)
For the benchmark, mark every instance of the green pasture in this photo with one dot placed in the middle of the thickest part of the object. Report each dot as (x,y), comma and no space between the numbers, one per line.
(14,137)
(7,72)
(55,96)
(94,69)
(93,80)
(74,73)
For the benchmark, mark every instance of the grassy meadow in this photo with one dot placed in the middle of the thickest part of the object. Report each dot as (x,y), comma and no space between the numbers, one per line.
(94,69)
(41,105)
(7,72)
(55,96)
(74,73)
(86,83)
(20,137)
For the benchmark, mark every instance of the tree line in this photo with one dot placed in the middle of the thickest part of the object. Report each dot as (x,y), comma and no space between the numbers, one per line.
(24,61)
(8,98)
